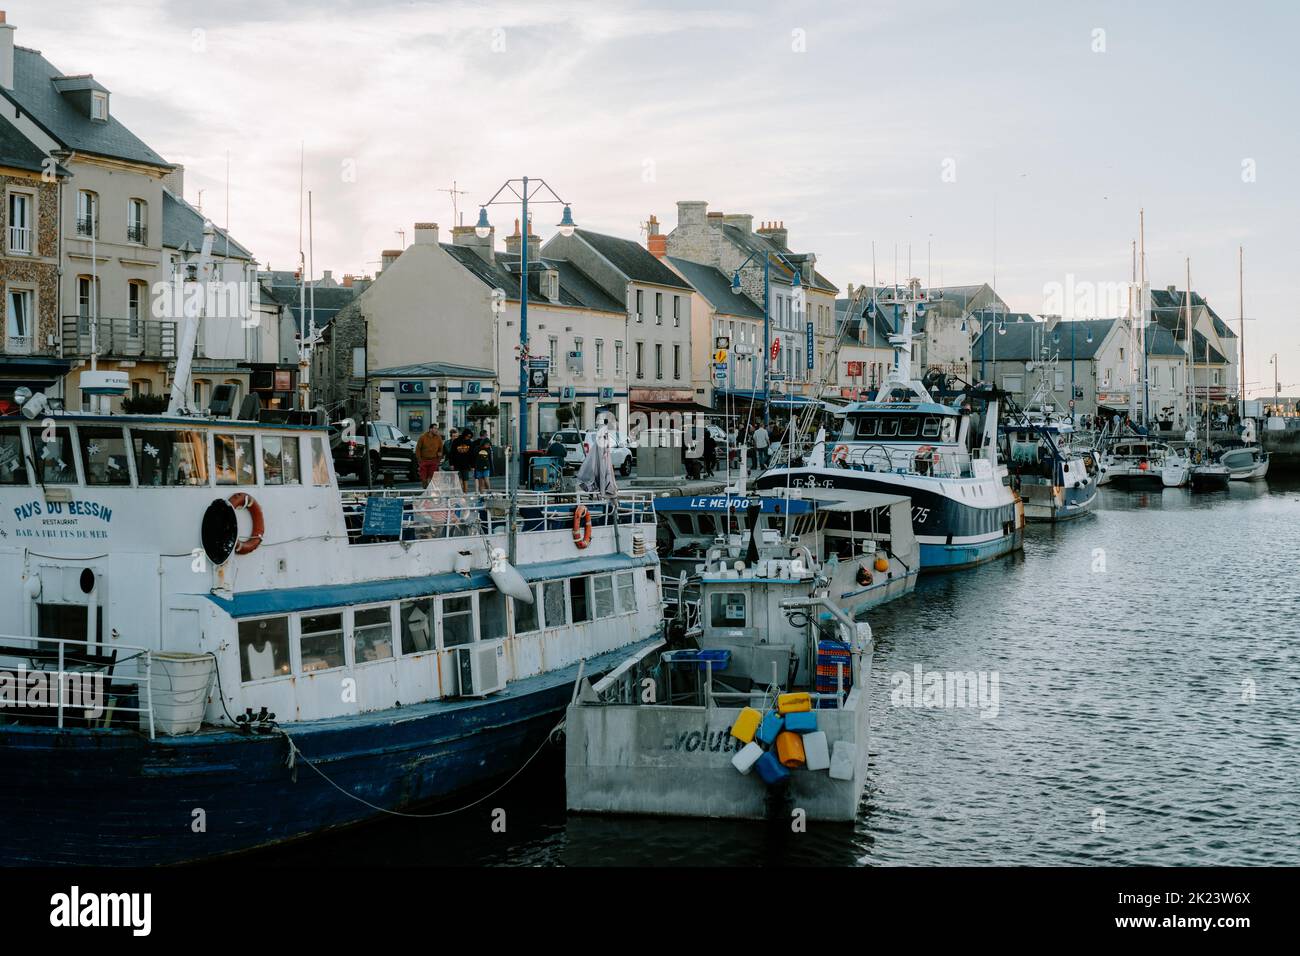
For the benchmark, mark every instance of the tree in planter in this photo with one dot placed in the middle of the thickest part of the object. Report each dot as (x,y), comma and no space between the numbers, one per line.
(145,404)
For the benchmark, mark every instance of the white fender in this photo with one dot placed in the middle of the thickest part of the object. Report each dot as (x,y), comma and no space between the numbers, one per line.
(508,579)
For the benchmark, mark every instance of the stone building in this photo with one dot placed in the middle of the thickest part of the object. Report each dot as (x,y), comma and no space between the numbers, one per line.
(29,268)
(801,320)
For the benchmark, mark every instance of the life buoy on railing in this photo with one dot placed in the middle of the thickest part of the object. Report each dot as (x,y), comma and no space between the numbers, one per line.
(927,455)
(241,499)
(581,527)
(840,455)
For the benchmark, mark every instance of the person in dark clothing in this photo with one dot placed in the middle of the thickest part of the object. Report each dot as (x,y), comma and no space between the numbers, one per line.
(483,462)
(710,452)
(462,456)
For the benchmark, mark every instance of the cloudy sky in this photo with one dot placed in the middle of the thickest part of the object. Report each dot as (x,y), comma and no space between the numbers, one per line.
(1017,141)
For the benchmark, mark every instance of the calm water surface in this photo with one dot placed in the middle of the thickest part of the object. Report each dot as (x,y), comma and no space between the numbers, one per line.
(1148,674)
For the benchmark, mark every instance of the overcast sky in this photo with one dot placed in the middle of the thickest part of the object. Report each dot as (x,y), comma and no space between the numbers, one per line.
(1021,136)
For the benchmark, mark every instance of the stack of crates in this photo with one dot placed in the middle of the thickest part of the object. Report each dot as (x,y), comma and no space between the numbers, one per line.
(830,654)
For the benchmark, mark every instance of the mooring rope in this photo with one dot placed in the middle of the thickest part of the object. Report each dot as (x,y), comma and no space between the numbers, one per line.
(294,753)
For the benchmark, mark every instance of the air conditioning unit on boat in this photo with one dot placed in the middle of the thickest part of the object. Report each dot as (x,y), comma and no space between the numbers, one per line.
(481,667)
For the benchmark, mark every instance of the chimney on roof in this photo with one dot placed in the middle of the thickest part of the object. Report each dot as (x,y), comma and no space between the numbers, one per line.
(776,234)
(467,237)
(534,242)
(7,31)
(388,257)
(347,280)
(426,233)
(174,181)
(654,240)
(741,220)
(691,212)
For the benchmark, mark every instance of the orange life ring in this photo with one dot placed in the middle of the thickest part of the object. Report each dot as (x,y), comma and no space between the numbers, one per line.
(248,545)
(840,455)
(581,527)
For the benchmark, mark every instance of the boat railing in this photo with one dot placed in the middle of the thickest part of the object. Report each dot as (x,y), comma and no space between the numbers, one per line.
(441,515)
(75,682)
(938,461)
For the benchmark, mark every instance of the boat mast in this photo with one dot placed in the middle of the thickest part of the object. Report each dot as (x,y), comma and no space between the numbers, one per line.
(1191,355)
(1144,301)
(1241,339)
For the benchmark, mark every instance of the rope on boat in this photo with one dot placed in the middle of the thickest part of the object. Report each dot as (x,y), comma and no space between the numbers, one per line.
(295,753)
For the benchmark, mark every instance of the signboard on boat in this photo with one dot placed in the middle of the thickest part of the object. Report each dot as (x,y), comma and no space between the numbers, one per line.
(383,517)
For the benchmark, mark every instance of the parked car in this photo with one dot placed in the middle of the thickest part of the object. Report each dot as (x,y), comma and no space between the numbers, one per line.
(571,439)
(389,450)
(621,454)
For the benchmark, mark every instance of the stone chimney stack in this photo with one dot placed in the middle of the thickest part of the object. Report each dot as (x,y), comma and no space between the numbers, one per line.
(691,212)
(426,233)
(534,243)
(466,236)
(388,257)
(775,233)
(7,31)
(656,243)
(174,180)
(741,220)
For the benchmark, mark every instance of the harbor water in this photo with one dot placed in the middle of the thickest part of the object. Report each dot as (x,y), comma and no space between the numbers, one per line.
(1140,670)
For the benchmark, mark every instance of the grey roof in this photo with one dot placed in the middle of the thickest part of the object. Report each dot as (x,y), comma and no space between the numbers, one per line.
(576,288)
(433,370)
(631,259)
(1160,341)
(878,331)
(36,91)
(182,223)
(1023,341)
(1167,307)
(715,288)
(327,302)
(753,242)
(17,151)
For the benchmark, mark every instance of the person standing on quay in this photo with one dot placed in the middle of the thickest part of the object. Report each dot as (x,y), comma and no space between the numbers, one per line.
(761,441)
(483,462)
(428,452)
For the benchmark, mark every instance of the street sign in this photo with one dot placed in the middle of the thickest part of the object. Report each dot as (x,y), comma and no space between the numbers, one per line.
(722,341)
(473,388)
(854,369)
(410,388)
(776,348)
(811,344)
(776,377)
(539,363)
(720,355)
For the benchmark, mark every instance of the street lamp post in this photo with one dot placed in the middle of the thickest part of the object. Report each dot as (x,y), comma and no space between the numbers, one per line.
(795,283)
(524,191)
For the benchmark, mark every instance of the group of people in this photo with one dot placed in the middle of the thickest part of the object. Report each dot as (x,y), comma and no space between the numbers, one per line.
(468,455)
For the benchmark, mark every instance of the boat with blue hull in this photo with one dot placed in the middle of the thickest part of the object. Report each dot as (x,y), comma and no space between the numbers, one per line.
(1054,482)
(907,443)
(206,648)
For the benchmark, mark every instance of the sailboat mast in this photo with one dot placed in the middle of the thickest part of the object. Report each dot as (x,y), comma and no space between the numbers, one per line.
(1241,339)
(1143,299)
(1191,354)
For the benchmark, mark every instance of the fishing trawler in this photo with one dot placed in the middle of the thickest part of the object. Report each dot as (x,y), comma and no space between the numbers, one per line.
(761,705)
(907,443)
(1054,483)
(206,648)
(868,550)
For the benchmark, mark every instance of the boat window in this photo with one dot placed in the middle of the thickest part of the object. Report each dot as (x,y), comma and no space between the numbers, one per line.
(626,585)
(578,600)
(234,459)
(888,427)
(526,614)
(280,461)
(104,456)
(707,524)
(908,427)
(683,524)
(417,625)
(320,467)
(372,634)
(602,595)
(553,604)
(264,648)
(727,609)
(55,459)
(321,642)
(13,464)
(457,620)
(168,459)
(491,615)
(930,427)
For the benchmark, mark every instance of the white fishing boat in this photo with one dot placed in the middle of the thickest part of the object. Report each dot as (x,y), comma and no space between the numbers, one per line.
(211,624)
(763,706)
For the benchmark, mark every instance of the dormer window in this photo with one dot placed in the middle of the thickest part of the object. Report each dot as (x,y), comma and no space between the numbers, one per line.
(99,106)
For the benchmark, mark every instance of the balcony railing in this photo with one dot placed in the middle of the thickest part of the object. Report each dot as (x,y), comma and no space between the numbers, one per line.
(125,338)
(17,344)
(137,232)
(20,240)
(88,227)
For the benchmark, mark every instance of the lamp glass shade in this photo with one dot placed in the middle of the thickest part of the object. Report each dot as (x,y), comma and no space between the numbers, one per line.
(482,228)
(566,224)
(735,283)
